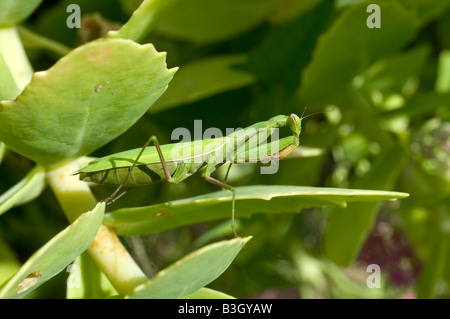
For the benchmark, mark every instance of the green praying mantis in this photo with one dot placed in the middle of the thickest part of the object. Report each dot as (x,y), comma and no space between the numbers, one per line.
(176,162)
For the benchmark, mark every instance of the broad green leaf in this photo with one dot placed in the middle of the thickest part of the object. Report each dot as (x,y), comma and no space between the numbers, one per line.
(192,272)
(15,11)
(89,97)
(206,293)
(9,89)
(206,21)
(348,228)
(143,20)
(27,189)
(55,255)
(87,281)
(200,79)
(324,77)
(249,200)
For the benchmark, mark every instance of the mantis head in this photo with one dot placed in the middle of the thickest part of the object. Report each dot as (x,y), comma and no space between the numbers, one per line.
(295,122)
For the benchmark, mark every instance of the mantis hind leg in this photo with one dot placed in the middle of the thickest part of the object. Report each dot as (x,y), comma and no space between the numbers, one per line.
(233,191)
(112,198)
(228,171)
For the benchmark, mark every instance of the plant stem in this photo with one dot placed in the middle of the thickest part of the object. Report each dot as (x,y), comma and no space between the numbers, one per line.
(75,198)
(13,53)
(143,20)
(35,40)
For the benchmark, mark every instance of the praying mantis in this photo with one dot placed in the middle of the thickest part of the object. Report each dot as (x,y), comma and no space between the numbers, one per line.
(176,162)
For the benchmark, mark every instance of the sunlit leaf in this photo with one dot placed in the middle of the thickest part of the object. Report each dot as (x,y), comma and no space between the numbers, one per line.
(192,272)
(13,12)
(77,113)
(206,293)
(55,255)
(249,200)
(27,189)
(9,89)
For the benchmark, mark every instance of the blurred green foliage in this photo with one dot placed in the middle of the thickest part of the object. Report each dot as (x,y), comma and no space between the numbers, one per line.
(388,92)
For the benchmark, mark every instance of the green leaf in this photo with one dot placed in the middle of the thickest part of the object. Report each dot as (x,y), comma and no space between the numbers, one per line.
(16,61)
(78,113)
(55,255)
(9,89)
(206,21)
(249,200)
(192,272)
(426,10)
(203,78)
(87,281)
(392,73)
(206,293)
(26,190)
(143,20)
(365,46)
(2,151)
(15,11)
(443,73)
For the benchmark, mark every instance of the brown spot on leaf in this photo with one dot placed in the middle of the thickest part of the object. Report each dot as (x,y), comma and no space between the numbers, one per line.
(99,54)
(162,213)
(29,281)
(98,88)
